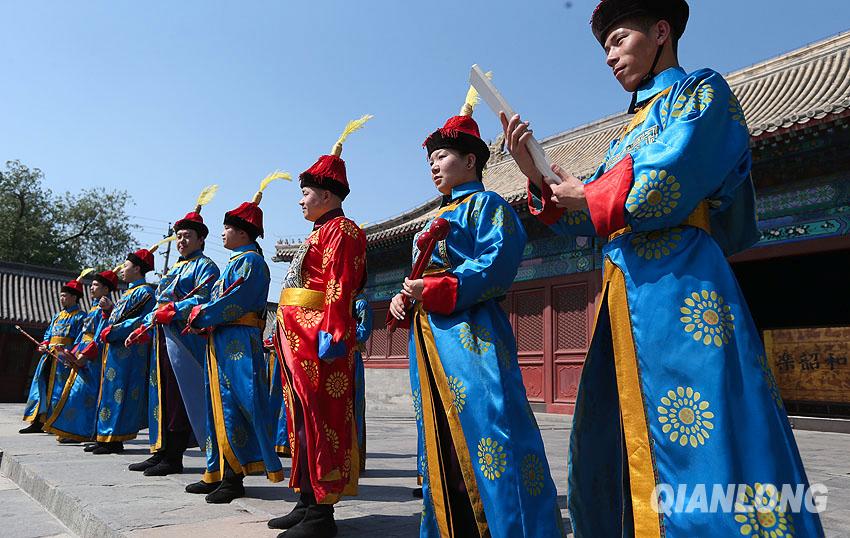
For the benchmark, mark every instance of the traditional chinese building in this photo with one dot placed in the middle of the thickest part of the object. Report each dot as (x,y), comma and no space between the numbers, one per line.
(798,110)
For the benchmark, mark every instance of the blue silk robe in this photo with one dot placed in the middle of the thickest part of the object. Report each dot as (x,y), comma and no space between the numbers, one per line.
(363,315)
(240,423)
(73,417)
(122,404)
(464,361)
(49,378)
(675,389)
(189,350)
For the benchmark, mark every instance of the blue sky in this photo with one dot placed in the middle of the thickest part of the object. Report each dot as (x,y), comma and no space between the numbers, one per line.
(163,98)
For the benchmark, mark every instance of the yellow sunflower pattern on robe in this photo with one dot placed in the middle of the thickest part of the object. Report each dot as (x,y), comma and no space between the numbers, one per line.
(458,390)
(691,100)
(110,374)
(532,474)
(475,338)
(492,459)
(333,290)
(308,317)
(232,312)
(759,511)
(105,413)
(336,384)
(332,436)
(737,111)
(685,417)
(349,228)
(707,318)
(293,339)
(234,350)
(417,404)
(498,221)
(312,371)
(654,195)
(656,244)
(326,256)
(118,395)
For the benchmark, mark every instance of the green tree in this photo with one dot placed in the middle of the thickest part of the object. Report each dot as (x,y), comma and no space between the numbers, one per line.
(86,229)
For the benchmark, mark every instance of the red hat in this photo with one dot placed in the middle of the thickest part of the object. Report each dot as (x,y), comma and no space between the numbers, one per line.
(143,258)
(107,278)
(610,12)
(74,287)
(193,219)
(248,216)
(329,171)
(461,133)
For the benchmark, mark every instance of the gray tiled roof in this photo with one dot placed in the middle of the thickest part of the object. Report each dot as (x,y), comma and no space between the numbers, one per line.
(29,295)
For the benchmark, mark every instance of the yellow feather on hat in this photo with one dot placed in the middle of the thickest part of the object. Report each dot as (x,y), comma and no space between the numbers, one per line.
(205,197)
(85,272)
(277,174)
(350,127)
(472,98)
(162,242)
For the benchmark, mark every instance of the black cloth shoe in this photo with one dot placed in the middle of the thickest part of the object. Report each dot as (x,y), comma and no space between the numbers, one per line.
(35,427)
(318,522)
(226,492)
(115,447)
(91,446)
(231,487)
(66,441)
(164,467)
(202,488)
(417,492)
(148,463)
(292,518)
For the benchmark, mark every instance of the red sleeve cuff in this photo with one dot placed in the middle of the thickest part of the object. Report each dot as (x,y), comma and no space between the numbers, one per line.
(440,294)
(549,213)
(606,197)
(89,351)
(399,323)
(165,314)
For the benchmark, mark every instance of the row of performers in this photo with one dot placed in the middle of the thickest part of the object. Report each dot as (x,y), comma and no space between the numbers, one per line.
(675,388)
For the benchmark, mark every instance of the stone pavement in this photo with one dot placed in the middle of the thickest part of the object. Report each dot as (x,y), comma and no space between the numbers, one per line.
(98,496)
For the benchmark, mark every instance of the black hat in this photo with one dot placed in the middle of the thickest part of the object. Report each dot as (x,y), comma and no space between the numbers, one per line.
(610,12)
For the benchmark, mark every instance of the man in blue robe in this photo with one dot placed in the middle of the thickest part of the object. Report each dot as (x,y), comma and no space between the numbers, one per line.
(73,417)
(675,394)
(122,401)
(176,393)
(240,424)
(485,471)
(50,377)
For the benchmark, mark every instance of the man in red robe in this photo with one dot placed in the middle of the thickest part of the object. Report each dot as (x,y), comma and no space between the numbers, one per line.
(316,342)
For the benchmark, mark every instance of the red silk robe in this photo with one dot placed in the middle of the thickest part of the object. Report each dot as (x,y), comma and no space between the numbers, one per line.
(316,341)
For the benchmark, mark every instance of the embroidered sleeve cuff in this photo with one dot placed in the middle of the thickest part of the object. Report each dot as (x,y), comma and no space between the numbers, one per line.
(440,294)
(328,349)
(606,197)
(193,315)
(89,351)
(540,204)
(104,334)
(165,314)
